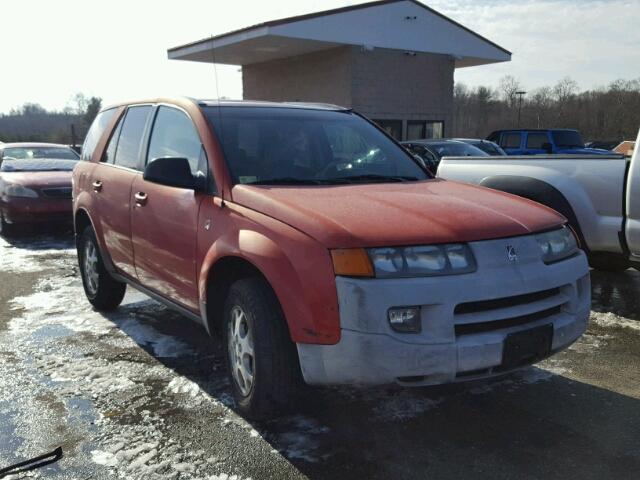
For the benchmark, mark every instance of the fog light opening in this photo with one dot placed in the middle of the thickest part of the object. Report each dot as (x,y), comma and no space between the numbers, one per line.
(405,319)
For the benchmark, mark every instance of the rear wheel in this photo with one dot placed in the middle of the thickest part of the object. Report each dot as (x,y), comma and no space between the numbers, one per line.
(6,229)
(262,360)
(102,290)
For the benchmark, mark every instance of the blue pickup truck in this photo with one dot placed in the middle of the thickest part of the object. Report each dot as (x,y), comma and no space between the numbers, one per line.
(534,142)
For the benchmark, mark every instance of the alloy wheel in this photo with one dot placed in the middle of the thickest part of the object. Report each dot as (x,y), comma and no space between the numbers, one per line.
(91,267)
(241,351)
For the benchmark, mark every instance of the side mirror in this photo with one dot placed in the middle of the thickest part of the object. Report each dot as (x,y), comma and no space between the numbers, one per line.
(547,147)
(173,172)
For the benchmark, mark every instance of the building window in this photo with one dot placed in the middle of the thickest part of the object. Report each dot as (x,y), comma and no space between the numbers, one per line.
(392,127)
(421,129)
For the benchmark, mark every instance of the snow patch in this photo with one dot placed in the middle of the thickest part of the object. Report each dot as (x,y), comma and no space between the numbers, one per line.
(27,256)
(611,320)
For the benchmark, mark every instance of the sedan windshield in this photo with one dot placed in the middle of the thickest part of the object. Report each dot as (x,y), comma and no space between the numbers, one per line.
(38,165)
(295,146)
(455,149)
(24,153)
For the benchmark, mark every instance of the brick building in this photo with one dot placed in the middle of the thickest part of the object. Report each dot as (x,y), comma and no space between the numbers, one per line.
(391,60)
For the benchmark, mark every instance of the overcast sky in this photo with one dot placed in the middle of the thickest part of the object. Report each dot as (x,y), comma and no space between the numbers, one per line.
(116,49)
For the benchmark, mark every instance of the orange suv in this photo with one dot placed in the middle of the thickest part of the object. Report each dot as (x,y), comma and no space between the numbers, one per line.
(318,248)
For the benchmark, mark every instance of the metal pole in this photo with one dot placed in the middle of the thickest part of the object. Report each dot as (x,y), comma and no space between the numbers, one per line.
(520,95)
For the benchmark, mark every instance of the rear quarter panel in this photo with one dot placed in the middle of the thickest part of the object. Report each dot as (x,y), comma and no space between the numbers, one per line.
(593,186)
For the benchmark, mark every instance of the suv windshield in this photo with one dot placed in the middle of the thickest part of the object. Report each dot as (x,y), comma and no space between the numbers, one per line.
(289,146)
(567,139)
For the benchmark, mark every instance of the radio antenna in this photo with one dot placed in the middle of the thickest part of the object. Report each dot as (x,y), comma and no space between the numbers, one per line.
(221,130)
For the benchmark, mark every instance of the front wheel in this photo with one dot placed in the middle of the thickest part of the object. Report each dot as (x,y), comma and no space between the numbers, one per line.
(102,290)
(262,360)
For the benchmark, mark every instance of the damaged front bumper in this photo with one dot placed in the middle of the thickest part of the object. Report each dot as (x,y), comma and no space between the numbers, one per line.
(465,319)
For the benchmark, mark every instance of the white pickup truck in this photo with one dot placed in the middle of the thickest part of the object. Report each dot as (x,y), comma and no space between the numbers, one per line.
(599,196)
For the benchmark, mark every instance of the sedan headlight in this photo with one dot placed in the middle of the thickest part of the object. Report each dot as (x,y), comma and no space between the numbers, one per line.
(20,191)
(422,261)
(557,244)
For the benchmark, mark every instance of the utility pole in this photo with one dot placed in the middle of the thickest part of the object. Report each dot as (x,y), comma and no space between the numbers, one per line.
(520,94)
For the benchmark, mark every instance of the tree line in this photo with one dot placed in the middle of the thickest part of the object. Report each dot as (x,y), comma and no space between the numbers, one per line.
(32,122)
(605,113)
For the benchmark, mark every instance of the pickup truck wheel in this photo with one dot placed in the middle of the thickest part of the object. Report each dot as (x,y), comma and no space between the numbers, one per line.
(262,360)
(102,290)
(608,262)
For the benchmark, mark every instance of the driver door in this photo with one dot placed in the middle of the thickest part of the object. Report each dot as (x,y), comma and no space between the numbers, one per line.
(164,219)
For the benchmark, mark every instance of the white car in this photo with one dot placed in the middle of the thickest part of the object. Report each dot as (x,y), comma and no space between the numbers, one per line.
(599,195)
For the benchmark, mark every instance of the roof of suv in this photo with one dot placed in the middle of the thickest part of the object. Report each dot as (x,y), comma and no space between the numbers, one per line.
(237,103)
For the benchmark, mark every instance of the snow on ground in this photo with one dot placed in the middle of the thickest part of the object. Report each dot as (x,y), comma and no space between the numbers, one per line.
(25,255)
(54,335)
(611,320)
(63,352)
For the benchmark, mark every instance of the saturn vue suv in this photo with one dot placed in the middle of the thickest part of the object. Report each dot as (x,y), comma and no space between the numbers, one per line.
(319,249)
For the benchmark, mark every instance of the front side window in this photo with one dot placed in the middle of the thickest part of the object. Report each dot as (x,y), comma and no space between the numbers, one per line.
(94,134)
(537,140)
(174,135)
(510,140)
(128,149)
(265,145)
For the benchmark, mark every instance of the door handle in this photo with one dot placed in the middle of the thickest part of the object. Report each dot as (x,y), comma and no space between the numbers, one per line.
(141,198)
(97,186)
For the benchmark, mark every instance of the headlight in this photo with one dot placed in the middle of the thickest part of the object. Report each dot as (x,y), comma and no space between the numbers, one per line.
(422,261)
(20,191)
(557,244)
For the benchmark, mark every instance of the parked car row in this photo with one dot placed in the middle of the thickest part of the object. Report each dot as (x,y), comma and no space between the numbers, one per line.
(319,249)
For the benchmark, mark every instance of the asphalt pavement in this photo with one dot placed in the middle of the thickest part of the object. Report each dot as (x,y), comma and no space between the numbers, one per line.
(141,393)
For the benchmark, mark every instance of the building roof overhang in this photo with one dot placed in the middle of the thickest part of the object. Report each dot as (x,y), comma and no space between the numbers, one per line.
(405,25)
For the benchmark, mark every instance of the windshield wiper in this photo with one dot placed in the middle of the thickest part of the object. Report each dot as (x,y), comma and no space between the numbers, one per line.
(372,178)
(286,181)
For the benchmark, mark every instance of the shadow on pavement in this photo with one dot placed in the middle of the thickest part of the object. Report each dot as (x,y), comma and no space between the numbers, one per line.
(531,424)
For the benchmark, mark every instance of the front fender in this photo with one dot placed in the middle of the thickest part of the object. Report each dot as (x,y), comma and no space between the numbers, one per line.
(297,267)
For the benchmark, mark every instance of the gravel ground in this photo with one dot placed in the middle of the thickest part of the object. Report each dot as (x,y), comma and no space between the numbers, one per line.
(141,393)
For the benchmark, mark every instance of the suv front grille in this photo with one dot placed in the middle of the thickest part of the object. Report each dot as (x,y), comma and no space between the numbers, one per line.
(507,312)
(485,305)
(481,327)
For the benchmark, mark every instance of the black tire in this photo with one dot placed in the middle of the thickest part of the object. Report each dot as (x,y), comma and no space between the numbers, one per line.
(102,290)
(275,366)
(608,262)
(6,229)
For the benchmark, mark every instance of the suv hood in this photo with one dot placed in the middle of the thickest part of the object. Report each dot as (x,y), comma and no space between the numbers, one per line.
(415,213)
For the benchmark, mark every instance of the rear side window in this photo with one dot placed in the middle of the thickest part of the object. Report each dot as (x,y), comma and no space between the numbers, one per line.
(94,134)
(128,149)
(537,140)
(174,135)
(110,152)
(510,140)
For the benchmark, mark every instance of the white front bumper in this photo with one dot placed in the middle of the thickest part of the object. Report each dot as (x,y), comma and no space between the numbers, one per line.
(455,343)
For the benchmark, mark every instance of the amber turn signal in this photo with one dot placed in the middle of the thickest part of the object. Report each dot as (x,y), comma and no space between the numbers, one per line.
(351,262)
